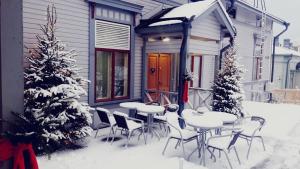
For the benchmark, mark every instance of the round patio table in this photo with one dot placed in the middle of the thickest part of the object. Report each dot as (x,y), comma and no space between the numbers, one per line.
(150,110)
(225,117)
(132,106)
(203,123)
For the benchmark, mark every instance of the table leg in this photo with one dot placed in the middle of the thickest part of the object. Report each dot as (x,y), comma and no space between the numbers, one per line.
(203,147)
(150,126)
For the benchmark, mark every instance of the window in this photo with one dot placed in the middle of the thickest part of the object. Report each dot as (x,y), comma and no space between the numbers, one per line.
(258,68)
(112,48)
(196,69)
(112,74)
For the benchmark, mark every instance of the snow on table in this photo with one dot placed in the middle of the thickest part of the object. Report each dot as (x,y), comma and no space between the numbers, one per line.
(281,134)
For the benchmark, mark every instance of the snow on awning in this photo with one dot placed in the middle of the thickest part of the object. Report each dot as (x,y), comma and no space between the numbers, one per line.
(171,19)
(186,11)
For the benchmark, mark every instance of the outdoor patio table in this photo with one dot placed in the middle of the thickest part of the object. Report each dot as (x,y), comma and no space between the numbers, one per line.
(225,117)
(132,106)
(150,110)
(203,123)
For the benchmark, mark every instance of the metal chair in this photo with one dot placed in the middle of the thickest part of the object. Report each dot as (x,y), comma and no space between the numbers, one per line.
(128,124)
(251,130)
(181,135)
(223,143)
(106,118)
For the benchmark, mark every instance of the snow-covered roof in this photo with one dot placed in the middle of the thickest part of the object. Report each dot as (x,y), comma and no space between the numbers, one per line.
(247,5)
(186,11)
(196,9)
(286,51)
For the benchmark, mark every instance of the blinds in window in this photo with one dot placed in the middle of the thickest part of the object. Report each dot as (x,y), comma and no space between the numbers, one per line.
(112,35)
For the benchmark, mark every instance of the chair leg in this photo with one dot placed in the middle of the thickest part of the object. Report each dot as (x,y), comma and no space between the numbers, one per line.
(237,156)
(262,141)
(110,131)
(128,138)
(177,144)
(113,138)
(249,148)
(228,159)
(96,133)
(183,150)
(166,146)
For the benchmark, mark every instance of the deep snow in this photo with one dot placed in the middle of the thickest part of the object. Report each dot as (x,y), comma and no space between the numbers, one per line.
(281,134)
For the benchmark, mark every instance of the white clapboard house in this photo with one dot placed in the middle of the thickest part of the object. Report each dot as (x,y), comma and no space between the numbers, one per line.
(127,48)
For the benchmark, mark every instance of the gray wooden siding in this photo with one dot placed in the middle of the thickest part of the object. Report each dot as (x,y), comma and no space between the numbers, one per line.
(150,7)
(138,67)
(207,27)
(72,26)
(172,46)
(245,49)
(204,47)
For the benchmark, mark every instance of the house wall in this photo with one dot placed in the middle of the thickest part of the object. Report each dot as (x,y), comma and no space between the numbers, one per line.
(280,71)
(205,41)
(11,62)
(245,24)
(72,27)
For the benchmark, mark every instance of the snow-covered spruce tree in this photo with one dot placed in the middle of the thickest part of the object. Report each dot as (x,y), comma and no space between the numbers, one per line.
(52,92)
(227,89)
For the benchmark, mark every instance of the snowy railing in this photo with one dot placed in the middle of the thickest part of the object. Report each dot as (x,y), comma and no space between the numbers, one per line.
(256,90)
(199,97)
(161,97)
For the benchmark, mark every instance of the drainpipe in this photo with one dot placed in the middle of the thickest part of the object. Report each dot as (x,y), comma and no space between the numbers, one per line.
(273,54)
(182,65)
(144,68)
(287,70)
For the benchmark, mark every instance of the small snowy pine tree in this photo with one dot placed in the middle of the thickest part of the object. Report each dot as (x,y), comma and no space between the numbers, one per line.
(53,88)
(227,89)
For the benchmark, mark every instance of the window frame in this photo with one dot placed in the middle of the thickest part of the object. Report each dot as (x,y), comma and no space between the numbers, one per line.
(113,97)
(199,71)
(258,68)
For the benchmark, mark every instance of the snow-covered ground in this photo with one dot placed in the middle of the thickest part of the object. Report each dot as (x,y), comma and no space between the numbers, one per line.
(281,134)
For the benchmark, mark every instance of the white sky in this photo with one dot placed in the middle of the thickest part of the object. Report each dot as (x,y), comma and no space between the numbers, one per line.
(289,10)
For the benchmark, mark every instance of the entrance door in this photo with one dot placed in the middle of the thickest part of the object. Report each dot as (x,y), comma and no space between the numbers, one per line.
(159,66)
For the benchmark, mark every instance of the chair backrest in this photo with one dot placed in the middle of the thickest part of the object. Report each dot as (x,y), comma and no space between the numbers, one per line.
(188,113)
(202,109)
(120,120)
(260,120)
(234,139)
(103,115)
(173,121)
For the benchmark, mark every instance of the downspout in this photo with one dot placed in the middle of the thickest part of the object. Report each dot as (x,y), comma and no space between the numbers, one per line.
(144,68)
(182,65)
(273,54)
(287,70)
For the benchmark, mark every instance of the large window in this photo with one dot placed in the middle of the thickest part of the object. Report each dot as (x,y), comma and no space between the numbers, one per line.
(258,68)
(112,74)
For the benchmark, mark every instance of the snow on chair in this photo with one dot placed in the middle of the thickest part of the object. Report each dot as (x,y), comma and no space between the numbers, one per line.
(128,124)
(251,130)
(224,143)
(181,135)
(107,119)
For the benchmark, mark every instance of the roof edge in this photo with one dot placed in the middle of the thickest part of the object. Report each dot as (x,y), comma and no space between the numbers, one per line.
(246,5)
(119,4)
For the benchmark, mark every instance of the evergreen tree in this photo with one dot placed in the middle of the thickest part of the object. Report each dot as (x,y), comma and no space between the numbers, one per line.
(52,92)
(227,89)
